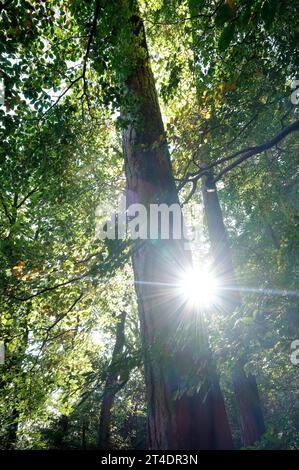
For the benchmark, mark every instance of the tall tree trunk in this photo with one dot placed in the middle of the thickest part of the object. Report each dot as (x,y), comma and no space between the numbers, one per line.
(12,429)
(249,407)
(185,405)
(224,271)
(60,437)
(13,420)
(245,387)
(220,249)
(83,433)
(112,385)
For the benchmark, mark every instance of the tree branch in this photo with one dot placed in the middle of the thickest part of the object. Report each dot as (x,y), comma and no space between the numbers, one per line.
(247,153)
(48,289)
(26,197)
(90,39)
(183,20)
(83,74)
(63,93)
(5,209)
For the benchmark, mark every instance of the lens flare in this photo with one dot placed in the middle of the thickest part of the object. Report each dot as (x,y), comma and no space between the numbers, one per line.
(199,287)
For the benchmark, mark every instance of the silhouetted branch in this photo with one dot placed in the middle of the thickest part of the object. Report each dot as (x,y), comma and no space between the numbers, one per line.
(245,155)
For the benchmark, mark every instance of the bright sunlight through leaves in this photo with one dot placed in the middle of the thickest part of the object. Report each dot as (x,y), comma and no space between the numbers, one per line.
(199,286)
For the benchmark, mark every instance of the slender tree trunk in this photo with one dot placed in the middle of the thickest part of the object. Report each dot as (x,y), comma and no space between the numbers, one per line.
(185,405)
(60,439)
(83,434)
(13,429)
(245,387)
(221,253)
(223,269)
(12,432)
(112,385)
(249,407)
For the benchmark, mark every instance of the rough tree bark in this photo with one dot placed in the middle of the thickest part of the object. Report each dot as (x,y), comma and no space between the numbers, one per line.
(112,385)
(250,413)
(245,387)
(185,405)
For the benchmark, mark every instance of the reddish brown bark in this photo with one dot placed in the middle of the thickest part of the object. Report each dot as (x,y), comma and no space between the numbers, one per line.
(246,392)
(177,362)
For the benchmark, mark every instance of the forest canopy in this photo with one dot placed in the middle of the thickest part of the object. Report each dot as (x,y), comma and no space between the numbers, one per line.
(150,341)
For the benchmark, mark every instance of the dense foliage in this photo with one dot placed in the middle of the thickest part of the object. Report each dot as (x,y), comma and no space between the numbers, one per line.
(223,71)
